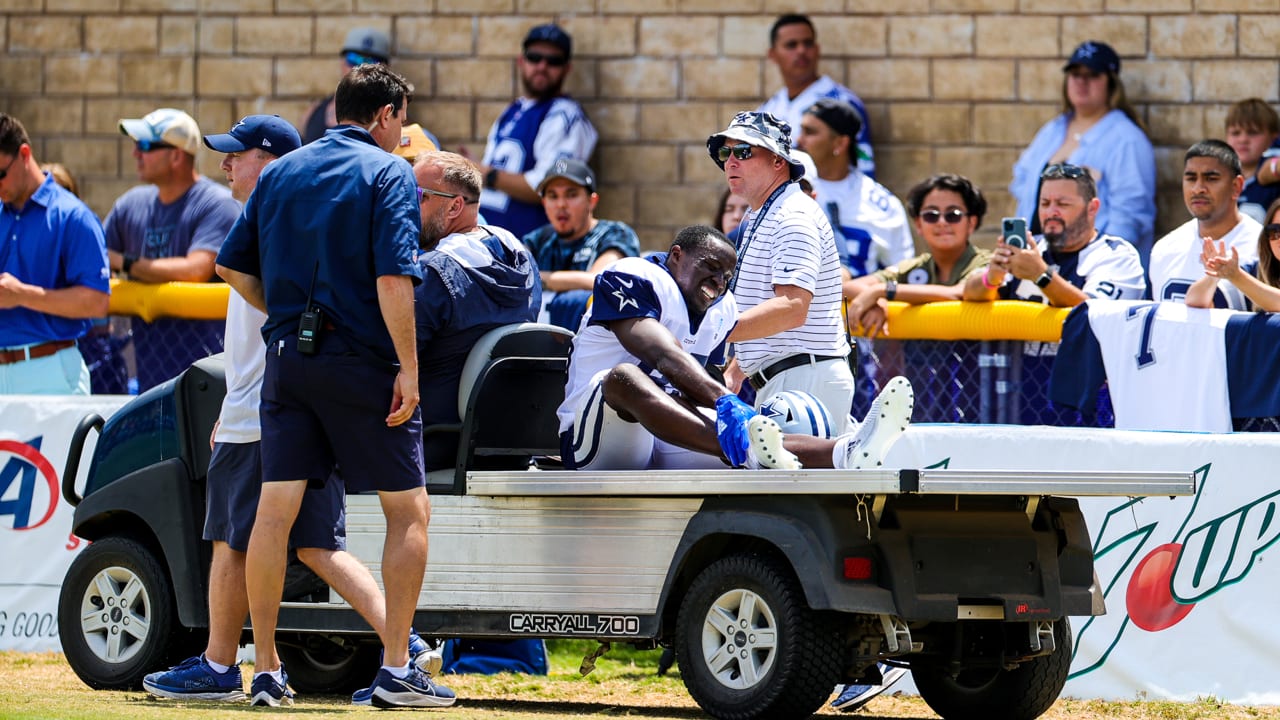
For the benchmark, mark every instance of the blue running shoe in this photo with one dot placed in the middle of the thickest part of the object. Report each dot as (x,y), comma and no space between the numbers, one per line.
(266,691)
(413,690)
(427,659)
(852,698)
(194,679)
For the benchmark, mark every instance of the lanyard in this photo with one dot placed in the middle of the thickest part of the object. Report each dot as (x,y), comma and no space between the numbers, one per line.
(749,234)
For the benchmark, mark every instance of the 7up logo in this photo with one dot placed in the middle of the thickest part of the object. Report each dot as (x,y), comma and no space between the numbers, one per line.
(1172,568)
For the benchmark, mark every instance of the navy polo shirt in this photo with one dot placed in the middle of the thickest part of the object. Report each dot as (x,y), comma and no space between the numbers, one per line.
(55,241)
(341,210)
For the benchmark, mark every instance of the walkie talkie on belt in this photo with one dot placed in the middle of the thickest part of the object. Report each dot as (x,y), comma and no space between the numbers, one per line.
(311,322)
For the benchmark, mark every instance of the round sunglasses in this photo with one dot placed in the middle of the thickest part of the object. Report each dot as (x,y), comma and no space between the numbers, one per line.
(952,216)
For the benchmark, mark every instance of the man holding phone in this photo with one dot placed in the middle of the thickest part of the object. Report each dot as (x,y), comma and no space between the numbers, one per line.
(1071,262)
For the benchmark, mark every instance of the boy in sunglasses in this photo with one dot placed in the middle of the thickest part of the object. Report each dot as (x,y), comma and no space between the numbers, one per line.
(540,127)
(1072,261)
(946,210)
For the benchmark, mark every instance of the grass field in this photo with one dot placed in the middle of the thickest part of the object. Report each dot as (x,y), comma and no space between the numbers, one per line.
(624,684)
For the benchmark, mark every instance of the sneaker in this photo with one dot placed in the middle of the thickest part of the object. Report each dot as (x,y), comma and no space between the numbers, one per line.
(765,450)
(888,418)
(851,698)
(194,679)
(266,691)
(427,659)
(413,690)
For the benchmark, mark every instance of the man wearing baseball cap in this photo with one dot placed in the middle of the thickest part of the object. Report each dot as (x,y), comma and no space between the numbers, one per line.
(235,477)
(363,45)
(540,127)
(575,245)
(790,335)
(169,229)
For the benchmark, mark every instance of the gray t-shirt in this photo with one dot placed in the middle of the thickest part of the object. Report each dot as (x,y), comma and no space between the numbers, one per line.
(139,224)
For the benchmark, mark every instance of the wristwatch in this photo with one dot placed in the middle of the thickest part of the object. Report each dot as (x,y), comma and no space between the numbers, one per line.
(890,289)
(127,263)
(1045,278)
(491,178)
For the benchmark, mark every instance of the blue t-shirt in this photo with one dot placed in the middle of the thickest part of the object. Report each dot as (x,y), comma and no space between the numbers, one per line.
(139,224)
(554,255)
(328,220)
(54,241)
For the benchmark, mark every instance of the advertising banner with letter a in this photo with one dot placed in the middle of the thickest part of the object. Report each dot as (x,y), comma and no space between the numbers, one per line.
(35,521)
(1190,582)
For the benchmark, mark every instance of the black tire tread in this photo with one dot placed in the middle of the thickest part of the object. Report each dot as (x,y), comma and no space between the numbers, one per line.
(1024,693)
(807,667)
(163,630)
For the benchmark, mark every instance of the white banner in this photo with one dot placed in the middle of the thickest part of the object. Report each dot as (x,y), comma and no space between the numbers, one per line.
(1189,593)
(35,521)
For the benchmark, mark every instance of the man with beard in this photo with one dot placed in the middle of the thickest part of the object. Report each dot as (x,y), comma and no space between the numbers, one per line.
(1072,261)
(537,129)
(474,278)
(576,245)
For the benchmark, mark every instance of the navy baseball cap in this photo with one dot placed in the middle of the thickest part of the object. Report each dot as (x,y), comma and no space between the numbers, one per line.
(550,33)
(265,132)
(1097,56)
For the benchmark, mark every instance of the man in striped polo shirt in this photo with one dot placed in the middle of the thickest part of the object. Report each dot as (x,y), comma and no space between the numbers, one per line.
(790,334)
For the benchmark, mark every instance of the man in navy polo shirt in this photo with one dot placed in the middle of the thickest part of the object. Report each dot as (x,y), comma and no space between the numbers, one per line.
(53,274)
(327,247)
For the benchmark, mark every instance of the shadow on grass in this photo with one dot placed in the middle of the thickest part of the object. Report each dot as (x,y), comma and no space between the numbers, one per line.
(558,708)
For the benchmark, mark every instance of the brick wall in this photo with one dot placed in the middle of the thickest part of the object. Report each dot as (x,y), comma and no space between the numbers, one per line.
(951,85)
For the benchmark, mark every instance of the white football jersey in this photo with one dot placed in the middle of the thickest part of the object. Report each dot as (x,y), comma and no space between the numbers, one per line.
(870,223)
(1175,261)
(1108,267)
(639,288)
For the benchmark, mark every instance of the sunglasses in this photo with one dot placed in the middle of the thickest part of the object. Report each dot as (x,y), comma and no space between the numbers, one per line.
(1272,231)
(147,146)
(355,59)
(5,173)
(533,58)
(1063,171)
(424,192)
(742,152)
(952,216)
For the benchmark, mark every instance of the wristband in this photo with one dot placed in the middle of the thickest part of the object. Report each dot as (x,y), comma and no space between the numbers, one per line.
(986,280)
(1272,165)
(127,263)
(491,178)
(890,289)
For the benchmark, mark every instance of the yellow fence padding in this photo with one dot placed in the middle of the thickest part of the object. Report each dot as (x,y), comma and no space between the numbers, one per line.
(999,320)
(192,301)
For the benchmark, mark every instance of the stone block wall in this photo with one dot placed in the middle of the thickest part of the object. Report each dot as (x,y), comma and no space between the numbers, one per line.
(951,85)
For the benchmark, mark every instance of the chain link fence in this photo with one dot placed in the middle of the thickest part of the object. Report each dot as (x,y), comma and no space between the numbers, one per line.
(128,355)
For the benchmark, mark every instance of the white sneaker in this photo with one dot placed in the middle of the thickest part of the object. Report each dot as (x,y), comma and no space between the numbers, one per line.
(765,449)
(888,418)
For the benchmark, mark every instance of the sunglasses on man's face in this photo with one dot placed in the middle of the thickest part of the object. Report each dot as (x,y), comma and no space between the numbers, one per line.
(742,152)
(952,216)
(533,58)
(147,146)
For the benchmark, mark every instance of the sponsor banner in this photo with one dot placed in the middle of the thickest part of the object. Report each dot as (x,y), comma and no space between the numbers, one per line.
(1187,584)
(35,521)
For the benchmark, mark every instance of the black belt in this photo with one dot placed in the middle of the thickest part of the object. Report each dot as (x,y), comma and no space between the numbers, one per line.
(791,361)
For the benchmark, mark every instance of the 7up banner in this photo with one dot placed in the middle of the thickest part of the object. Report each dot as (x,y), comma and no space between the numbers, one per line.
(1189,591)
